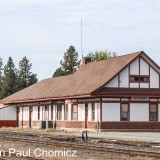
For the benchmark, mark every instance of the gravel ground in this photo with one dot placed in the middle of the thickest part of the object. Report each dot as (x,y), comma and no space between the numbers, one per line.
(86,155)
(81,155)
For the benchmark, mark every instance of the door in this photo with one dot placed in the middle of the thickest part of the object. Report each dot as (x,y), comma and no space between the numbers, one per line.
(86,115)
(30,117)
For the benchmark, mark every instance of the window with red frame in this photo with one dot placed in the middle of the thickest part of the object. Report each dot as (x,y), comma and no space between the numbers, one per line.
(74,112)
(93,111)
(66,117)
(153,112)
(125,112)
(139,79)
(59,112)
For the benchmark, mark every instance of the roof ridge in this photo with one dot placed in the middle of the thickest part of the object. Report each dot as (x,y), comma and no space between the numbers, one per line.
(57,77)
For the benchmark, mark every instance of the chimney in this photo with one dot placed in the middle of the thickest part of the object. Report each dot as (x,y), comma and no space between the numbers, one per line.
(86,60)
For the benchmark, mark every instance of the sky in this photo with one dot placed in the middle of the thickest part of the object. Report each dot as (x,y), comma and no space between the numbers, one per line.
(42,30)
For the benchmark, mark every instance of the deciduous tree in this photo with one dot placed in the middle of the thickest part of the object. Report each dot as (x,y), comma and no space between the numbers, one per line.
(101,55)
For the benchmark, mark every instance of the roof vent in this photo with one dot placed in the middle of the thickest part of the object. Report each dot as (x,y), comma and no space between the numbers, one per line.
(86,60)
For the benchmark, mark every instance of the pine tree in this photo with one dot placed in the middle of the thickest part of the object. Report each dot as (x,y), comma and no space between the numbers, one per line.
(70,63)
(58,72)
(9,79)
(1,64)
(25,76)
(32,79)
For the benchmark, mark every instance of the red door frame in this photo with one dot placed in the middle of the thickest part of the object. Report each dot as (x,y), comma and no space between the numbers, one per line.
(86,115)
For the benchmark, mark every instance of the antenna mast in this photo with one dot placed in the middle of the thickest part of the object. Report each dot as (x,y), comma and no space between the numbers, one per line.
(81,40)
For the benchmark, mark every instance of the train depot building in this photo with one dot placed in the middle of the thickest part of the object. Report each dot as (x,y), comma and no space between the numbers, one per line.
(121,93)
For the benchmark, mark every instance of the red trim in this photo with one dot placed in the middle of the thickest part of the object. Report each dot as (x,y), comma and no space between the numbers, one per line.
(38,112)
(118,72)
(22,116)
(17,116)
(8,123)
(82,102)
(150,69)
(126,95)
(30,116)
(101,109)
(126,101)
(86,115)
(139,69)
(154,63)
(64,112)
(151,66)
(118,80)
(149,76)
(159,80)
(129,71)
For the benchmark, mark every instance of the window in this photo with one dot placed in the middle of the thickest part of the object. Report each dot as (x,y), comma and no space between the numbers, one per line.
(51,112)
(153,112)
(134,79)
(59,112)
(124,112)
(74,112)
(46,113)
(144,79)
(66,112)
(93,111)
(139,79)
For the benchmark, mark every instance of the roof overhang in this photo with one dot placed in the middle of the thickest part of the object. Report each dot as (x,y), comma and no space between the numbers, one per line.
(45,99)
(128,92)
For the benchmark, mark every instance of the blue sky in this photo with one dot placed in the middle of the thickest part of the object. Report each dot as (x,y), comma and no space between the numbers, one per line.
(42,30)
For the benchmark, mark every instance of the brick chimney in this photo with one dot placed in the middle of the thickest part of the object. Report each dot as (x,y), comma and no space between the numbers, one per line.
(86,60)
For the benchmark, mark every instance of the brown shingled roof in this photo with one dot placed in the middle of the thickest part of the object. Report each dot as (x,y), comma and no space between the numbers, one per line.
(85,81)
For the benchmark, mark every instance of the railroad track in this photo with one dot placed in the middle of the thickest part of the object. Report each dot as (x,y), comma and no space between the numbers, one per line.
(78,145)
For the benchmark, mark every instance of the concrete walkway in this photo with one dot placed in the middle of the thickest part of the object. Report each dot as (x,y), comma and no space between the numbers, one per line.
(133,136)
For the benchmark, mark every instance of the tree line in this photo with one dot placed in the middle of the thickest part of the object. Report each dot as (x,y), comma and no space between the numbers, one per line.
(13,79)
(71,63)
